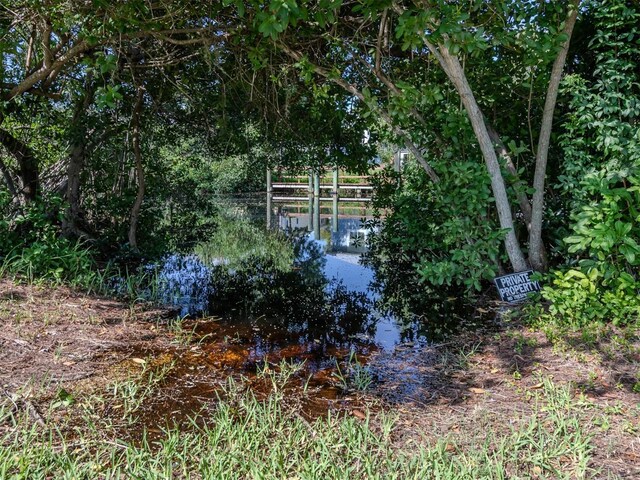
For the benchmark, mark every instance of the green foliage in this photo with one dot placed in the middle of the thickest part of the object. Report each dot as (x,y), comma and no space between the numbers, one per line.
(607,230)
(604,283)
(578,298)
(237,242)
(33,249)
(601,179)
(442,235)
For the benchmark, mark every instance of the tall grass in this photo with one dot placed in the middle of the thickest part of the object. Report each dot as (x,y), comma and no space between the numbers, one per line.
(59,261)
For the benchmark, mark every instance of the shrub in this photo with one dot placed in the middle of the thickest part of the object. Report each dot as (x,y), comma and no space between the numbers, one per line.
(32,247)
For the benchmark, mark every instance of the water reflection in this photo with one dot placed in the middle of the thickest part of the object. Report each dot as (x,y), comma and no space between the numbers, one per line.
(320,310)
(345,234)
(300,306)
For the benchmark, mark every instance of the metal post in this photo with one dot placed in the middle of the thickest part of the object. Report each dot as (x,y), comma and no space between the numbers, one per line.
(310,191)
(316,205)
(269,198)
(335,193)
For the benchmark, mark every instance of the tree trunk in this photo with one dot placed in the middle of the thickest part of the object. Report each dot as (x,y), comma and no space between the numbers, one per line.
(11,186)
(536,246)
(71,222)
(28,171)
(135,140)
(454,71)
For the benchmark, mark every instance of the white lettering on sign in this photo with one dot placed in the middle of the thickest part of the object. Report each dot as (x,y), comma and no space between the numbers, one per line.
(516,287)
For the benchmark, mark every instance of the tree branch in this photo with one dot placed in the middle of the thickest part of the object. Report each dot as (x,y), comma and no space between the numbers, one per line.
(385,116)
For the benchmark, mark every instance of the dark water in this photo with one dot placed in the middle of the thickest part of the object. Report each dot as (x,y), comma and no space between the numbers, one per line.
(324,315)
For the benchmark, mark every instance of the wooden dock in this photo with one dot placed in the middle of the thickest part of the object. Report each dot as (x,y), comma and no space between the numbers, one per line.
(291,191)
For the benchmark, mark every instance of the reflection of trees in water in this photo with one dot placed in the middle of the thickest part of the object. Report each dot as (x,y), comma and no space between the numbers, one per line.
(433,321)
(425,314)
(300,301)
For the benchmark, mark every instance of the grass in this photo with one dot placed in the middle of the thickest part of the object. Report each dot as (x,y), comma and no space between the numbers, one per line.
(237,241)
(247,437)
(356,376)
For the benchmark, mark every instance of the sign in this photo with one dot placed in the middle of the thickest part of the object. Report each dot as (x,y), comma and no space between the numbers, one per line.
(515,287)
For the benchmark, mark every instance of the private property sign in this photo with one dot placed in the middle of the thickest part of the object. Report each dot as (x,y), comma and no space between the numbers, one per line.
(515,287)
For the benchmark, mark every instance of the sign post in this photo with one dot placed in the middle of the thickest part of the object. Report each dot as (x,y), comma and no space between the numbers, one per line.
(516,287)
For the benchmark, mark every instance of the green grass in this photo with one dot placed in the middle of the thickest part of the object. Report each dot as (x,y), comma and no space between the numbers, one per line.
(244,437)
(355,376)
(236,241)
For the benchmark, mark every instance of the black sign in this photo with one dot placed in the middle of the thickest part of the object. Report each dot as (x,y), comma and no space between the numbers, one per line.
(515,287)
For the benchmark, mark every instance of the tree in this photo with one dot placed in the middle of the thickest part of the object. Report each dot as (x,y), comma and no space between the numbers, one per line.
(42,46)
(360,48)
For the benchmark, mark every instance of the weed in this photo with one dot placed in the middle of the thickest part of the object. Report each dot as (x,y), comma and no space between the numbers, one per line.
(356,376)
(464,355)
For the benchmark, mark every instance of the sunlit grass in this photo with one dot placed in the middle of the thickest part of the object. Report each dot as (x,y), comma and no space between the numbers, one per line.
(247,437)
(236,240)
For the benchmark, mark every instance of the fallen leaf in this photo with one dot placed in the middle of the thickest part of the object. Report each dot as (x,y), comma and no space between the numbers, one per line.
(449,448)
(477,390)
(139,361)
(537,386)
(358,414)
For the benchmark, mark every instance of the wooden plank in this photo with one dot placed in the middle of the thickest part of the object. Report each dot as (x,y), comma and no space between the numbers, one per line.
(322,199)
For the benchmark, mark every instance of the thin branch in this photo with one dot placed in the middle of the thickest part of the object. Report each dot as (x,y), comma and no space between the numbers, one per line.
(380,111)
(47,56)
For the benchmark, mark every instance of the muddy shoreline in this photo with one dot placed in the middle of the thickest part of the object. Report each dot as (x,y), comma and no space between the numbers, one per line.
(56,340)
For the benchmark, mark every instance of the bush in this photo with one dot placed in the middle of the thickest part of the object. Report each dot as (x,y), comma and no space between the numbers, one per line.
(579,298)
(436,239)
(33,249)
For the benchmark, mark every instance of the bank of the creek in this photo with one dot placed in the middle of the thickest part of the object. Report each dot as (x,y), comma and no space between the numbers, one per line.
(324,316)
(63,352)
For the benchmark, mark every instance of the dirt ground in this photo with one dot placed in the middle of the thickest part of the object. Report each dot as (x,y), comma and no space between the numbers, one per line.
(55,338)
